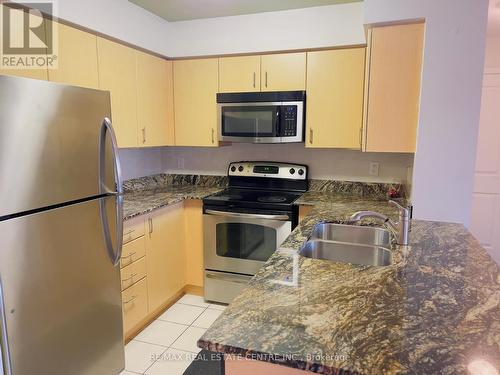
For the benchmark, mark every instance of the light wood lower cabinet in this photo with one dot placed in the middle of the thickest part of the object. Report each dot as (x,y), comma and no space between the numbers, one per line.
(133,251)
(304,210)
(165,255)
(162,258)
(133,273)
(193,234)
(135,306)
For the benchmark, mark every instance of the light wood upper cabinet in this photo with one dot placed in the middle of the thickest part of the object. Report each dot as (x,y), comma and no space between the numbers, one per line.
(393,87)
(77,58)
(195,88)
(335,83)
(165,255)
(239,74)
(38,73)
(154,101)
(117,73)
(283,72)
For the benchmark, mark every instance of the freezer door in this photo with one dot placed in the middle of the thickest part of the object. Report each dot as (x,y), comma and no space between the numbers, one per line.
(49,144)
(61,292)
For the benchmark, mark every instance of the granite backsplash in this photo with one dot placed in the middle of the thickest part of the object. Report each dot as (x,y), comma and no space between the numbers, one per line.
(378,190)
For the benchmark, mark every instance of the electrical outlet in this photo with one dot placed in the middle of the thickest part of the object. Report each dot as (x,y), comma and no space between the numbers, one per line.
(180,163)
(374,167)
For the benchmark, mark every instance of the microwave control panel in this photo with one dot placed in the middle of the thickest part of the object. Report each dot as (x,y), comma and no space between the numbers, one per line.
(288,121)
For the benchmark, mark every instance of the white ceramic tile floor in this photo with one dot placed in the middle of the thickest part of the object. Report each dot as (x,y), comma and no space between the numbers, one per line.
(207,318)
(168,345)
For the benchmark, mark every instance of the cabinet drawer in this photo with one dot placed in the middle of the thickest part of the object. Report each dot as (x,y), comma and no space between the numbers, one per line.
(133,272)
(132,251)
(134,304)
(133,228)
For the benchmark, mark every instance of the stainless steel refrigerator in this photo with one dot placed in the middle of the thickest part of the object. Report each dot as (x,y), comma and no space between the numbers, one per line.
(60,231)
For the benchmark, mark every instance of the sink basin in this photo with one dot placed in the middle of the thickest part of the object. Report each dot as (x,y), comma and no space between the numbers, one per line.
(352,234)
(347,253)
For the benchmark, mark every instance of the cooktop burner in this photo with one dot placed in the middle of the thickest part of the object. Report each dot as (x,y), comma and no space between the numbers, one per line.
(272,199)
(235,195)
(227,197)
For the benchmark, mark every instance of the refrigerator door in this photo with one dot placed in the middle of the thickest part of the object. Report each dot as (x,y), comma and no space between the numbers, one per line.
(61,292)
(49,144)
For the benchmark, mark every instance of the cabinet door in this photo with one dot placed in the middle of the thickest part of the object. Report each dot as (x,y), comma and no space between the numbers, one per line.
(393,87)
(154,101)
(77,58)
(193,222)
(165,255)
(239,74)
(117,74)
(135,306)
(39,72)
(284,72)
(335,81)
(195,88)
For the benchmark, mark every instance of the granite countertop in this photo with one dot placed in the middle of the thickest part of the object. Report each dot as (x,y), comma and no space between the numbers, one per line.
(144,201)
(436,309)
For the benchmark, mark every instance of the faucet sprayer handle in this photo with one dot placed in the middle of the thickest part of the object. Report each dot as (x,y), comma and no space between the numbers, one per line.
(403,211)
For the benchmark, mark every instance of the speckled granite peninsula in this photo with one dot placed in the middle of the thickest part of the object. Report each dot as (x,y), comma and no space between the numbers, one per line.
(435,310)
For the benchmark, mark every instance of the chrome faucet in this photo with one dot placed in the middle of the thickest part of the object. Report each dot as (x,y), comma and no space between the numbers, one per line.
(401,228)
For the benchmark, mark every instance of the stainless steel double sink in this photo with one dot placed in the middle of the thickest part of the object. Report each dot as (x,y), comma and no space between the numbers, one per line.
(349,244)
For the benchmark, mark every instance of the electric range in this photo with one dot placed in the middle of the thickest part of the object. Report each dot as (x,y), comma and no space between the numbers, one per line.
(247,222)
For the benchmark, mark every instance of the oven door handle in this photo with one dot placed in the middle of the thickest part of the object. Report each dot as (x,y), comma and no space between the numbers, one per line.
(248,216)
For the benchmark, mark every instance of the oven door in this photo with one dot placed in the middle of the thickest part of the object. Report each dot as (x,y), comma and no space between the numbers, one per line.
(241,243)
(250,122)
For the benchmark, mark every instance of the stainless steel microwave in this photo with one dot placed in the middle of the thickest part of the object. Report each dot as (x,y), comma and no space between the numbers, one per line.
(262,117)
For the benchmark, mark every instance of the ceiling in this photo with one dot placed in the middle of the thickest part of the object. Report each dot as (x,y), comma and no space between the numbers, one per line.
(494,18)
(181,10)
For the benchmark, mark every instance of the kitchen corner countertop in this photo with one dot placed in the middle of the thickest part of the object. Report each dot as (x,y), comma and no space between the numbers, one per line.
(141,202)
(435,310)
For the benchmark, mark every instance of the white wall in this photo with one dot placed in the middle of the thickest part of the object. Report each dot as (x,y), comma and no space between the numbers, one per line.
(292,29)
(120,19)
(299,28)
(450,100)
(138,162)
(492,59)
(323,163)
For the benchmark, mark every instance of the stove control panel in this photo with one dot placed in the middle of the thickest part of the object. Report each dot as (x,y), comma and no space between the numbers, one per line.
(268,169)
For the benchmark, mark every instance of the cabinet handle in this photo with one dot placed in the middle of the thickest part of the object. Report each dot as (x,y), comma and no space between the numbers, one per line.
(151,228)
(266,79)
(130,300)
(143,135)
(128,256)
(254,79)
(129,278)
(311,135)
(213,136)
(361,138)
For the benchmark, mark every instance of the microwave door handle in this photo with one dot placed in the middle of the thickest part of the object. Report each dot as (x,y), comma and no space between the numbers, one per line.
(278,121)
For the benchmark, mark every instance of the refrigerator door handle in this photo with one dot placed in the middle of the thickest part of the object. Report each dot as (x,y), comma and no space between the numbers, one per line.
(114,255)
(4,341)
